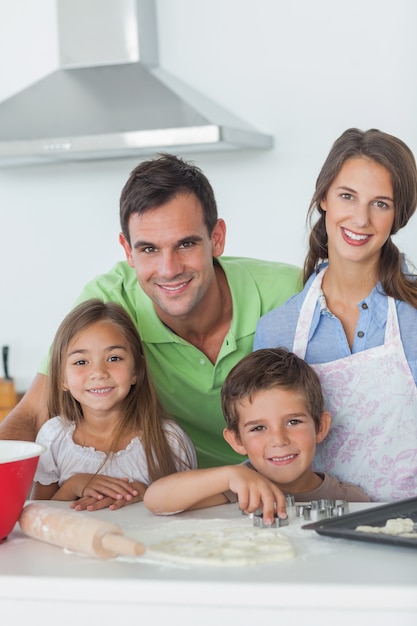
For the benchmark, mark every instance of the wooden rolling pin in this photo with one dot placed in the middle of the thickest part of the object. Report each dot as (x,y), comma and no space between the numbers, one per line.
(79,532)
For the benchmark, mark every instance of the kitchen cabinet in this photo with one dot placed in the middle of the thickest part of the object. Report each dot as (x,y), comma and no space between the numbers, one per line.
(330,581)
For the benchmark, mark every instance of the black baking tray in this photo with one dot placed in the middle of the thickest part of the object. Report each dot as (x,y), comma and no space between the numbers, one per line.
(343,527)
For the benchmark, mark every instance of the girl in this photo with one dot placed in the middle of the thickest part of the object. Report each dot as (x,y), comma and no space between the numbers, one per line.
(109,437)
(356,319)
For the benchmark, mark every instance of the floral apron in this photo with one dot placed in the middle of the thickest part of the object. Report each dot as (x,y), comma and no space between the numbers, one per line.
(372,398)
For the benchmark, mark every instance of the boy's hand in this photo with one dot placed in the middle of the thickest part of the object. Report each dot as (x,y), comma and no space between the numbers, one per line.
(254,491)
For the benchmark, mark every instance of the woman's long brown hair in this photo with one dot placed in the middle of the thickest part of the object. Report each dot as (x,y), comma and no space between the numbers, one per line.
(398,159)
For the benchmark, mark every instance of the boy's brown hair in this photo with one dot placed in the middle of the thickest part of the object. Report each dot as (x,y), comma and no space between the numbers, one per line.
(270,368)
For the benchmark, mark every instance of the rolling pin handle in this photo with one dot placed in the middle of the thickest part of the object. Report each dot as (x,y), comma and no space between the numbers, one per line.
(121,545)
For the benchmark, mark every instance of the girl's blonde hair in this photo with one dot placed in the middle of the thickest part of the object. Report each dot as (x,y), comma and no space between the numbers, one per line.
(142,411)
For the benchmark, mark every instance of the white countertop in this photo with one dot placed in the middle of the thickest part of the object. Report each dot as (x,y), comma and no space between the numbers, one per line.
(329,581)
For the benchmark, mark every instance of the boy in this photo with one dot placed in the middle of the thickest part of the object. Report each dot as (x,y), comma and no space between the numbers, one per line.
(273,405)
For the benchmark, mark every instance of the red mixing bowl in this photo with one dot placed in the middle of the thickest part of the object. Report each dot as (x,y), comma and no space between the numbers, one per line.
(18,463)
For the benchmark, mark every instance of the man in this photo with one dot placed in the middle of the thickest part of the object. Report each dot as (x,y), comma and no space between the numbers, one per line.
(195,311)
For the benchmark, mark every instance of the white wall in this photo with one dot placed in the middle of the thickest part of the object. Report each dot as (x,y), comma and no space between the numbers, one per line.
(302,71)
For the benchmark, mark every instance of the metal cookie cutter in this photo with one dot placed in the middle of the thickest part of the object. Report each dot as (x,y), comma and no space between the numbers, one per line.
(258,520)
(340,508)
(321,509)
(257,516)
(290,501)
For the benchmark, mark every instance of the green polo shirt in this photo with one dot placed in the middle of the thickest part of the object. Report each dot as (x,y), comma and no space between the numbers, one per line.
(187,383)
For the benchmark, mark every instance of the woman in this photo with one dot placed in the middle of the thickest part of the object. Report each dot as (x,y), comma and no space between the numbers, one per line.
(356,319)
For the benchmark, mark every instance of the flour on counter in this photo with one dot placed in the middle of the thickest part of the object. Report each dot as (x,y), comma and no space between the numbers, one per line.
(403,527)
(224,547)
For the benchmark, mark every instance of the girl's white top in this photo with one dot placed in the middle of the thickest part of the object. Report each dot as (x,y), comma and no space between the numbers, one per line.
(63,457)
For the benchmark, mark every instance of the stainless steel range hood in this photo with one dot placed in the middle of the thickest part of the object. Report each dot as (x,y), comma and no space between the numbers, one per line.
(109,99)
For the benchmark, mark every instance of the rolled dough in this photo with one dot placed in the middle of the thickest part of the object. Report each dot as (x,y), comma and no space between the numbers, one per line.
(224,547)
(397,526)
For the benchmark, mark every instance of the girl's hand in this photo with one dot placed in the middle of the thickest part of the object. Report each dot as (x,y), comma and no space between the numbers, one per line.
(133,492)
(100,485)
(254,491)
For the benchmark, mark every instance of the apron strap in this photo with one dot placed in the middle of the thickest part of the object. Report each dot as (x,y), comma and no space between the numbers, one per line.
(302,331)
